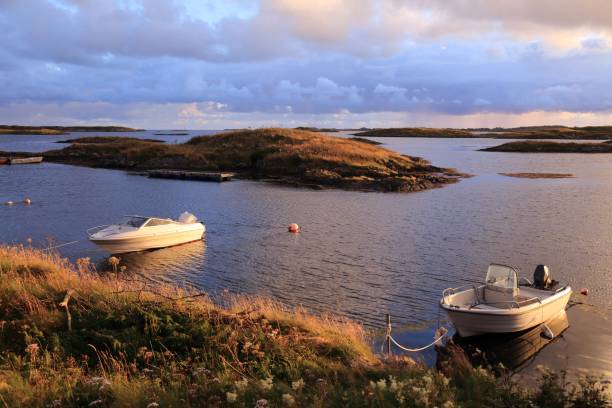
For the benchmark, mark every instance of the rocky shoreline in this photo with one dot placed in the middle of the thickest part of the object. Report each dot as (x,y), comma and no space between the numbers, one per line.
(286,156)
(551,147)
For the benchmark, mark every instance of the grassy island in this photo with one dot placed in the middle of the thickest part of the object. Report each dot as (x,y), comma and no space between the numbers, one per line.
(289,156)
(533,146)
(73,336)
(60,130)
(416,132)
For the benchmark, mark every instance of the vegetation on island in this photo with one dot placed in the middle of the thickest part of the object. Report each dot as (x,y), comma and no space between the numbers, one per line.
(60,130)
(416,132)
(105,139)
(549,132)
(526,132)
(288,156)
(74,336)
(532,146)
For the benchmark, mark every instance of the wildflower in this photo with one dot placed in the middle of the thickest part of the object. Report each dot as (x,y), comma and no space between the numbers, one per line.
(381,384)
(262,403)
(94,403)
(231,396)
(449,404)
(241,384)
(297,385)
(267,384)
(153,405)
(288,400)
(393,384)
(32,350)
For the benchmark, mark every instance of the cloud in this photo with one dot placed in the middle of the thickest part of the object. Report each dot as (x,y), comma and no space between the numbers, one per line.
(297,57)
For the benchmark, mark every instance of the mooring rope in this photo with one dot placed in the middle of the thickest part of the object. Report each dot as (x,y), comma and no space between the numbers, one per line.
(443,331)
(61,245)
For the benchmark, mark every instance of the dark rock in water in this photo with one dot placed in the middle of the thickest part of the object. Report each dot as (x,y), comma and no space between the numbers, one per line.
(538,175)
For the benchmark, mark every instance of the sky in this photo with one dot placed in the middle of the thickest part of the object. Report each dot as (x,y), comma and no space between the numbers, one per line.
(204,64)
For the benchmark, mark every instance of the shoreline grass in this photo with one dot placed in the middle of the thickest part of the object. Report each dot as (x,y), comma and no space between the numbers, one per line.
(138,343)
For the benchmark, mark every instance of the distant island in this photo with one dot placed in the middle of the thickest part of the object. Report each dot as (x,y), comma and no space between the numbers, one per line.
(288,156)
(526,132)
(60,130)
(533,146)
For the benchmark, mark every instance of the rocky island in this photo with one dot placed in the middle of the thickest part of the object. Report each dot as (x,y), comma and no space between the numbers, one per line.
(533,146)
(288,156)
(525,132)
(60,130)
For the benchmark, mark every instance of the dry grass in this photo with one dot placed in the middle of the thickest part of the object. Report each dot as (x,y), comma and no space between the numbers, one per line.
(294,156)
(137,343)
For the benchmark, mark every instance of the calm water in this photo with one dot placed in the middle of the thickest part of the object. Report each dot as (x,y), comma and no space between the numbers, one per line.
(360,254)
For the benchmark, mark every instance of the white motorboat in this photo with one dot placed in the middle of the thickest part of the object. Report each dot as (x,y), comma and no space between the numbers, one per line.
(502,305)
(136,233)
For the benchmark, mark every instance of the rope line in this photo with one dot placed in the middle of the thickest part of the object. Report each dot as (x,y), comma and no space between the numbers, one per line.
(442,330)
(61,245)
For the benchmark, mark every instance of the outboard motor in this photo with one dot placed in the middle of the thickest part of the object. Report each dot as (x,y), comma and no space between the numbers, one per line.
(541,278)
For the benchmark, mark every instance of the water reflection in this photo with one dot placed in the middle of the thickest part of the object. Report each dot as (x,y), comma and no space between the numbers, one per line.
(513,350)
(167,264)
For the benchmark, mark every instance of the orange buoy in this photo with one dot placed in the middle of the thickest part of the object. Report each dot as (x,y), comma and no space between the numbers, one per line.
(584,291)
(294,228)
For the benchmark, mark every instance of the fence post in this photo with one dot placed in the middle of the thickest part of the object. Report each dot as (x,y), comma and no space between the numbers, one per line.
(388,334)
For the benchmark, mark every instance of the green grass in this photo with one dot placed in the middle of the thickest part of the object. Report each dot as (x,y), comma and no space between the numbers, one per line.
(135,343)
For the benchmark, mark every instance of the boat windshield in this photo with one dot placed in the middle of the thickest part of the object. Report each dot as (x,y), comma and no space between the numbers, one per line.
(501,276)
(131,221)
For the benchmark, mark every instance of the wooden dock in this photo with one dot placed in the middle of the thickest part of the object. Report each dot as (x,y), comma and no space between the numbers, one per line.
(191,175)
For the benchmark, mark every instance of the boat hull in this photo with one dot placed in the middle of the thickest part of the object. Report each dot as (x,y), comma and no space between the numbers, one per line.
(476,322)
(136,244)
(26,160)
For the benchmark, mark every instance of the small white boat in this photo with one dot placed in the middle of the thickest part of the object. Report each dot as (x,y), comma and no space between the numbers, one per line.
(135,233)
(501,305)
(26,160)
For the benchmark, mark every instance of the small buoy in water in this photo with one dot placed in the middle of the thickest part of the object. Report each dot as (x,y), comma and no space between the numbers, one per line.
(294,228)
(27,201)
(546,332)
(9,203)
(584,291)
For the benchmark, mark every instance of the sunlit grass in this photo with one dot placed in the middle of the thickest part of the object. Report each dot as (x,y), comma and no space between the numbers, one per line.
(139,343)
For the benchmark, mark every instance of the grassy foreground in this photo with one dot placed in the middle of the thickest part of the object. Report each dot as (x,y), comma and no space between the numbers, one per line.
(289,156)
(133,343)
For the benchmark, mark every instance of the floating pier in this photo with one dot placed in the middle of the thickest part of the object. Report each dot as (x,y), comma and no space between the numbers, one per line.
(191,175)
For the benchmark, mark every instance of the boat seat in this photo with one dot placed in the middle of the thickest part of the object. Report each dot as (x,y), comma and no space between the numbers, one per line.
(500,296)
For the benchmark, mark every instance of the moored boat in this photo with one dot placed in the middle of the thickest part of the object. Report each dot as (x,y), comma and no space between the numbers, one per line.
(136,233)
(501,305)
(26,160)
(4,160)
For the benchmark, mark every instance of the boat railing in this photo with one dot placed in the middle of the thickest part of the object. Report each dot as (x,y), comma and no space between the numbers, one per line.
(451,291)
(93,230)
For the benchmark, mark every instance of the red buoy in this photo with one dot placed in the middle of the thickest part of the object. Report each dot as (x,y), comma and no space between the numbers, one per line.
(294,228)
(584,291)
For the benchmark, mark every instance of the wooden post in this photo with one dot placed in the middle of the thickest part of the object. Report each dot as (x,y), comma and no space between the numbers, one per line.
(64,303)
(388,334)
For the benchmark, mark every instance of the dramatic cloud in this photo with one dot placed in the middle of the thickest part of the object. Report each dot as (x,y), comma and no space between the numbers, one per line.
(203,63)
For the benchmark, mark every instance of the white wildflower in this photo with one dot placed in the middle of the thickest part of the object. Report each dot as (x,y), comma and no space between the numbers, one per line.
(94,403)
(241,384)
(288,400)
(267,384)
(231,396)
(297,385)
(381,384)
(153,405)
(262,403)
(449,404)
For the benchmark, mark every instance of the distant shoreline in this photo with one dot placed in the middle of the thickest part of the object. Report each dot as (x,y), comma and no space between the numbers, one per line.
(551,147)
(60,130)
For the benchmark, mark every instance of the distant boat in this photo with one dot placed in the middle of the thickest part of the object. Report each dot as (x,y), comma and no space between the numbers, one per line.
(501,306)
(4,160)
(25,160)
(135,233)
